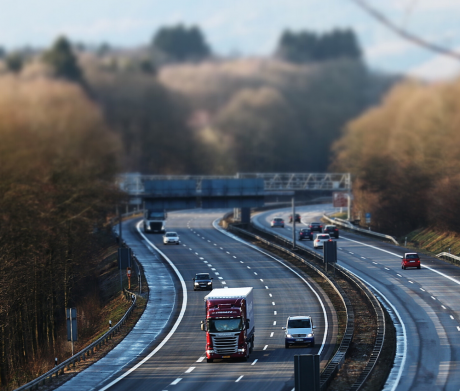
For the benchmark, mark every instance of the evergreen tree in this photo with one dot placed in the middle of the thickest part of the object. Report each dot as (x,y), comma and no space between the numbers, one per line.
(181,44)
(62,61)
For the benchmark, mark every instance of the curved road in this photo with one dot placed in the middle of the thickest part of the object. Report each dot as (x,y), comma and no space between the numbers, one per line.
(426,300)
(278,292)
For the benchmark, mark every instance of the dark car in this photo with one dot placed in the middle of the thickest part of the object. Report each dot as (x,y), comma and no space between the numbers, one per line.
(277,222)
(316,227)
(297,218)
(305,233)
(332,230)
(202,281)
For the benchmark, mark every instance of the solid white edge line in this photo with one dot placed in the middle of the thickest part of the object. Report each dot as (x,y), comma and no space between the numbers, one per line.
(326,324)
(399,339)
(399,256)
(174,328)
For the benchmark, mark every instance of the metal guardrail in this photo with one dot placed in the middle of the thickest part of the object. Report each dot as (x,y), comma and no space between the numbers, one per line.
(348,225)
(335,363)
(454,258)
(59,369)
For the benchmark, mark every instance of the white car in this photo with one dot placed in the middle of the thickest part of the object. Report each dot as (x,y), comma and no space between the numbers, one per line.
(320,239)
(299,330)
(171,238)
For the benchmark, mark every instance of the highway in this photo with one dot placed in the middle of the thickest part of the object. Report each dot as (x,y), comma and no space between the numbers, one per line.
(424,302)
(179,363)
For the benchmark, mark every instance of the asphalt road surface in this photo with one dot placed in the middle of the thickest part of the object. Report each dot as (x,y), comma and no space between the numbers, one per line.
(425,302)
(179,363)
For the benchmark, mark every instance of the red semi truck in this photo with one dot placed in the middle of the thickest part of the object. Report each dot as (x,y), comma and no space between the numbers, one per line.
(229,323)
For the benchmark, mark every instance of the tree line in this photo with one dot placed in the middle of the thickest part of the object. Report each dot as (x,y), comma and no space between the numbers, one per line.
(57,165)
(404,156)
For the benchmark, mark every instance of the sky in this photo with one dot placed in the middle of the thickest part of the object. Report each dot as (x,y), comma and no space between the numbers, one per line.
(245,27)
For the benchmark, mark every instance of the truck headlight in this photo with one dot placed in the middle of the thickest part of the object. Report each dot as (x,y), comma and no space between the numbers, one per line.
(210,351)
(241,350)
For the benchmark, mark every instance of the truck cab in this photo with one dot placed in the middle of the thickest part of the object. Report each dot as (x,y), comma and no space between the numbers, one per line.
(229,324)
(155,221)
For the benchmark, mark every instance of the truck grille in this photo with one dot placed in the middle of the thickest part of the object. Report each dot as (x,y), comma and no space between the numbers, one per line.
(155,226)
(225,345)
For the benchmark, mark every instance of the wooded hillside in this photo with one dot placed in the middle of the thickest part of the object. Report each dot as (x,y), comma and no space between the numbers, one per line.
(405,158)
(57,166)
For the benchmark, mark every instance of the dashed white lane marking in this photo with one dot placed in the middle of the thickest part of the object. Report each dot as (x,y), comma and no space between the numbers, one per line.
(375,263)
(196,253)
(209,241)
(223,283)
(176,381)
(255,273)
(443,307)
(452,317)
(200,359)
(190,249)
(422,289)
(363,258)
(217,273)
(265,347)
(227,252)
(213,269)
(270,294)
(274,323)
(434,298)
(261,280)
(205,261)
(411,282)
(351,253)
(225,287)
(221,278)
(275,313)
(266,287)
(249,267)
(184,245)
(209,265)
(237,380)
(215,244)
(271,334)
(241,262)
(255,361)
(221,248)
(387,268)
(458,328)
(399,275)
(201,258)
(190,369)
(234,257)
(273,302)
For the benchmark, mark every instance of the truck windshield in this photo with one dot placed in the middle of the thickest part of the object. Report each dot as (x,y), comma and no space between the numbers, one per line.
(216,325)
(156,215)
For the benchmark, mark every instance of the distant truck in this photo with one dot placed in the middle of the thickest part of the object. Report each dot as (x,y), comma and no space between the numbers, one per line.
(229,323)
(155,220)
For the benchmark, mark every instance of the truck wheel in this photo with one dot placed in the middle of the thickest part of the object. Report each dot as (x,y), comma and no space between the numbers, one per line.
(286,345)
(209,360)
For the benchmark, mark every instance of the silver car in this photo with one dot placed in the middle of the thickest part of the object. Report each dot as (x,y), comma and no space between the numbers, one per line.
(171,238)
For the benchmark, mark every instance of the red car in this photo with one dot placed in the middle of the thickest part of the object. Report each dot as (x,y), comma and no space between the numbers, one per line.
(410,260)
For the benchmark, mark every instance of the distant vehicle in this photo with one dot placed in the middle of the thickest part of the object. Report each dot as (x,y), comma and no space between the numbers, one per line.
(202,281)
(316,227)
(277,222)
(297,218)
(410,260)
(332,230)
(155,220)
(171,238)
(229,323)
(305,233)
(299,330)
(320,239)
